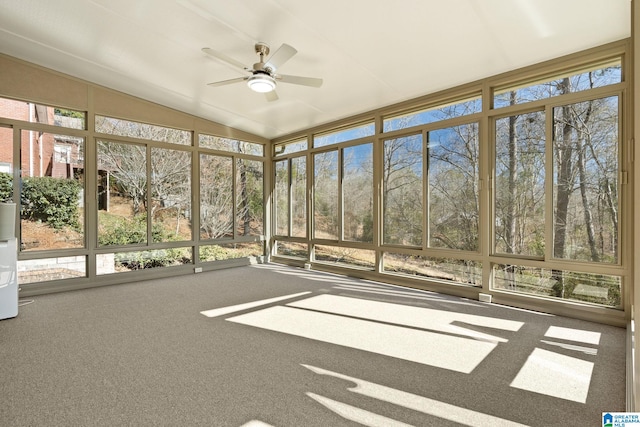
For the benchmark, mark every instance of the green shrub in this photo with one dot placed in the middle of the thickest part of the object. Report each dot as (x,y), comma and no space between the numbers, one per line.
(144,259)
(117,230)
(51,200)
(153,258)
(213,253)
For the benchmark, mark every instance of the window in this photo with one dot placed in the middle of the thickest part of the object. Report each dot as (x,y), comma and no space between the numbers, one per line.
(291,249)
(38,113)
(585,181)
(579,220)
(520,185)
(291,197)
(128,128)
(226,251)
(459,271)
(299,196)
(216,197)
(120,262)
(357,193)
(454,205)
(432,115)
(570,285)
(290,147)
(346,134)
(48,269)
(325,202)
(51,193)
(282,197)
(345,257)
(595,76)
(122,194)
(403,190)
(170,195)
(231,145)
(62,153)
(249,197)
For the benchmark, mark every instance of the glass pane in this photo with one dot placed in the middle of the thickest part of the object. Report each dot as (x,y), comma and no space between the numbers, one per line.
(113,126)
(299,196)
(460,271)
(453,188)
(357,193)
(69,118)
(585,190)
(216,197)
(282,197)
(568,285)
(402,191)
(120,262)
(170,195)
(6,164)
(52,192)
(343,135)
(249,197)
(233,145)
(37,113)
(48,269)
(231,251)
(122,193)
(519,185)
(325,190)
(290,147)
(431,115)
(346,257)
(292,249)
(596,76)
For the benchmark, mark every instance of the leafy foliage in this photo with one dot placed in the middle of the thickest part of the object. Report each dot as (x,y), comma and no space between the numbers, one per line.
(51,200)
(117,230)
(151,259)
(213,253)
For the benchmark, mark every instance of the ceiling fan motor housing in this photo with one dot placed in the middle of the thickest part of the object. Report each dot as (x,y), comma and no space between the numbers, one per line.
(262,49)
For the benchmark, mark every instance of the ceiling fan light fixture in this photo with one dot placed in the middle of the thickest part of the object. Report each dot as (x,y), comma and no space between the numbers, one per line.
(262,83)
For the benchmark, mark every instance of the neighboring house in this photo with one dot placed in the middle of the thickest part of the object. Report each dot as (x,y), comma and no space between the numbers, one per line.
(42,154)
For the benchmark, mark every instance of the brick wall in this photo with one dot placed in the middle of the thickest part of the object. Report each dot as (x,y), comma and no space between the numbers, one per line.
(41,144)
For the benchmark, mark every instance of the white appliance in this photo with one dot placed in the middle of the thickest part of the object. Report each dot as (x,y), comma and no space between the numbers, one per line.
(8,262)
(8,278)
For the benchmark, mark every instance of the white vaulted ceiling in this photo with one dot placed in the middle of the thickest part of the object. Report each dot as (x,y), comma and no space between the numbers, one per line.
(370,53)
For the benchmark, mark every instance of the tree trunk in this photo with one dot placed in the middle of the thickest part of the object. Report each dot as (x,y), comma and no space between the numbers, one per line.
(564,180)
(244,200)
(512,208)
(588,217)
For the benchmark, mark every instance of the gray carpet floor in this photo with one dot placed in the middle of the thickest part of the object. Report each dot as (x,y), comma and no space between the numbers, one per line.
(333,351)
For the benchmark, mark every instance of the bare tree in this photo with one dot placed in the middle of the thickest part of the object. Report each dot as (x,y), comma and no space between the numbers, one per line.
(402,190)
(216,196)
(126,163)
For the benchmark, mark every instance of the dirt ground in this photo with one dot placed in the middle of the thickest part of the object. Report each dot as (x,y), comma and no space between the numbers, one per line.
(40,236)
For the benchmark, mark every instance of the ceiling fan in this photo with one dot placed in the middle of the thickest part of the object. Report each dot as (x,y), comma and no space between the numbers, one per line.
(263,76)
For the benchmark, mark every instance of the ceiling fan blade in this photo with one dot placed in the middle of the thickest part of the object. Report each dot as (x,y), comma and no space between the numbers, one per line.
(282,55)
(299,80)
(222,57)
(227,82)
(271,96)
